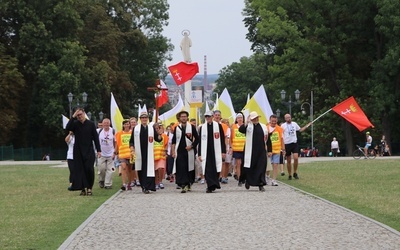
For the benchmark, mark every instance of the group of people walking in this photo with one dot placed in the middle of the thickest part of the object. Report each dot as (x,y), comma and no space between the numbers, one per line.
(145,151)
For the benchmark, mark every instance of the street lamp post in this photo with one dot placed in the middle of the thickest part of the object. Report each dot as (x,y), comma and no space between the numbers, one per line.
(290,103)
(71,98)
(311,105)
(278,112)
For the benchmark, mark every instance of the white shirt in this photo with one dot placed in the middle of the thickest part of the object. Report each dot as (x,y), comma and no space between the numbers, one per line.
(107,139)
(70,152)
(334,144)
(170,136)
(289,132)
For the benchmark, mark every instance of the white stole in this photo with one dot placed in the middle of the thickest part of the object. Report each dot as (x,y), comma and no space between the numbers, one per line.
(248,147)
(217,146)
(150,149)
(179,135)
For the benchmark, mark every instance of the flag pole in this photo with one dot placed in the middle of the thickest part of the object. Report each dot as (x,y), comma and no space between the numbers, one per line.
(158,86)
(321,115)
(156,90)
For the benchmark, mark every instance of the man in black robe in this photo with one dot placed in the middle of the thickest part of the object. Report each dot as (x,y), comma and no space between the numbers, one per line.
(212,162)
(253,170)
(147,181)
(84,155)
(184,143)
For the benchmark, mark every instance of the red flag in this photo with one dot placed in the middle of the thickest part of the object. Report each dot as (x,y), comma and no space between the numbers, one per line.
(183,72)
(162,97)
(351,111)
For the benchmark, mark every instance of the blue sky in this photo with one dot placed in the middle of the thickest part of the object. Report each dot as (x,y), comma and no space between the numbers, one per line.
(217,31)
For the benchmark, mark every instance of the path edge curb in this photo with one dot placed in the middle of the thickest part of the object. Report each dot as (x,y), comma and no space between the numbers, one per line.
(69,240)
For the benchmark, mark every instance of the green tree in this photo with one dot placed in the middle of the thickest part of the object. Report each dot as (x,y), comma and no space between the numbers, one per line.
(11,83)
(325,46)
(385,74)
(75,46)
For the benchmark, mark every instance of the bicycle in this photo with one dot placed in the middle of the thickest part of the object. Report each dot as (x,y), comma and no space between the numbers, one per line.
(360,152)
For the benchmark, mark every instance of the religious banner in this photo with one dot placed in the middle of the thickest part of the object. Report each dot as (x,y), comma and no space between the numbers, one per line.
(183,72)
(351,111)
(162,97)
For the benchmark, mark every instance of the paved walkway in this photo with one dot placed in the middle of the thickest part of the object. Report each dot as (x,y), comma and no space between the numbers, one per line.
(231,218)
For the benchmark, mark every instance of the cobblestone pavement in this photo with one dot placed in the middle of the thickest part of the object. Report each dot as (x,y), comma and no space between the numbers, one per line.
(230,218)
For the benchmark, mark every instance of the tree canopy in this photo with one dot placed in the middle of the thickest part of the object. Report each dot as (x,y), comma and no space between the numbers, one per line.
(336,49)
(51,48)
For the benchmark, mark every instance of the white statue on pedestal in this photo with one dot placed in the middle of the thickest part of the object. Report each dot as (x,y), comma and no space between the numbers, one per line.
(186,43)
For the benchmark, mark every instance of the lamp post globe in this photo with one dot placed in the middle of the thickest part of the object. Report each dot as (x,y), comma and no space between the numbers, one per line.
(84,97)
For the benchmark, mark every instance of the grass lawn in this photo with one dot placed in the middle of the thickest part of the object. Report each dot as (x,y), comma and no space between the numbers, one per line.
(369,187)
(37,211)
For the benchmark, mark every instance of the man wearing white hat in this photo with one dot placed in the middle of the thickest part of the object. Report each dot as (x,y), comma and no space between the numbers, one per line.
(255,153)
(212,151)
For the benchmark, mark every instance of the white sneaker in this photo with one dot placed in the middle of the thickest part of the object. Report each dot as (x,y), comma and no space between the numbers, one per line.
(268,180)
(273,183)
(202,181)
(161,185)
(157,186)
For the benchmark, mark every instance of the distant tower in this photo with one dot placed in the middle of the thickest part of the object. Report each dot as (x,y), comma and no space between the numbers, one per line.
(205,74)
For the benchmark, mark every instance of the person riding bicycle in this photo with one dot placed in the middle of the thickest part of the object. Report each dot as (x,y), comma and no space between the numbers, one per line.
(367,143)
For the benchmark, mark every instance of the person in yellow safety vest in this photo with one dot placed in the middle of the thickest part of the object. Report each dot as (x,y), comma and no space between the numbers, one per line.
(238,140)
(160,157)
(124,154)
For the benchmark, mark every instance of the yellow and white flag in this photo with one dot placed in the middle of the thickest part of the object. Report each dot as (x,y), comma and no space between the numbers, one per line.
(170,116)
(64,121)
(226,107)
(116,116)
(259,103)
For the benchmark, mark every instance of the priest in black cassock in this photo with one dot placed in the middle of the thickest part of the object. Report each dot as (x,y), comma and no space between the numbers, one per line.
(212,150)
(84,155)
(254,163)
(142,146)
(184,143)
